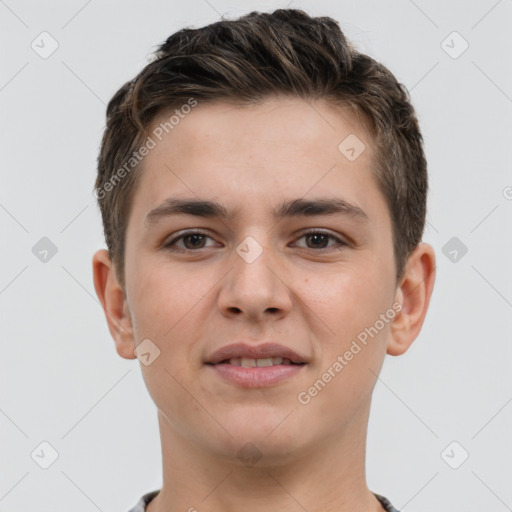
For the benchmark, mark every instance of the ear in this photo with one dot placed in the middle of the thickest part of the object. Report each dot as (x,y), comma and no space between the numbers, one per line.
(413,293)
(113,300)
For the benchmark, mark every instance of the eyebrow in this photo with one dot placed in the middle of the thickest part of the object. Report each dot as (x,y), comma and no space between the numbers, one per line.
(294,208)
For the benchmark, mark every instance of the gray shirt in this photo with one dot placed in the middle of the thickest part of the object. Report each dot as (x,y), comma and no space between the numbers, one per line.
(143,502)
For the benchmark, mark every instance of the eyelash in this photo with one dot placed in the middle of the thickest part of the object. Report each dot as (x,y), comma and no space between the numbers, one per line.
(168,245)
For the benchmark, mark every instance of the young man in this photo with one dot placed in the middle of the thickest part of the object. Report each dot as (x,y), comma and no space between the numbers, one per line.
(263,190)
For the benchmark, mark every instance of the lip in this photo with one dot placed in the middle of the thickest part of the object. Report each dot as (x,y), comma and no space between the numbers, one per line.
(258,376)
(261,351)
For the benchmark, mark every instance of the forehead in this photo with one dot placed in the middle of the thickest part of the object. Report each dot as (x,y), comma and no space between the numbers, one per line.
(283,124)
(258,155)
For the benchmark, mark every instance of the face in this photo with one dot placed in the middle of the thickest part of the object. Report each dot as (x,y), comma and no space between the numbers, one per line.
(312,280)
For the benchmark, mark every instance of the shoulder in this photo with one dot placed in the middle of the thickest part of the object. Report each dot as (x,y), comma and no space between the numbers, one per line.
(143,502)
(386,503)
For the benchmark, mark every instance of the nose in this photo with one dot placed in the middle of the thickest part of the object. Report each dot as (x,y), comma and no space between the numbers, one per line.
(257,286)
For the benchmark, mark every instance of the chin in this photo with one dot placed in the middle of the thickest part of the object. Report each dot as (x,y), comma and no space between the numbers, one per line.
(271,436)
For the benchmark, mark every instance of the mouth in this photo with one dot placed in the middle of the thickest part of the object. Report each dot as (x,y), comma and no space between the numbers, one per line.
(251,355)
(256,366)
(247,362)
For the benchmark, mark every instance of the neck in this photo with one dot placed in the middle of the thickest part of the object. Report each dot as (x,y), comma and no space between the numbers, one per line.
(329,477)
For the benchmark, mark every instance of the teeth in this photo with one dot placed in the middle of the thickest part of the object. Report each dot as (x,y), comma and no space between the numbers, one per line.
(247,362)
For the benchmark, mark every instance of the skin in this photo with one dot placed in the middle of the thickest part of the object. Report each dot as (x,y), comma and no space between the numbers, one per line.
(299,292)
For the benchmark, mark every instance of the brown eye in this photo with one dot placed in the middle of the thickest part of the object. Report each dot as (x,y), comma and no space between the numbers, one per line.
(320,239)
(192,241)
(196,241)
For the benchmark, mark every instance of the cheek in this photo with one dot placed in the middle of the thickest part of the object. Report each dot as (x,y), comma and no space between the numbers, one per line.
(347,299)
(352,351)
(164,295)
(350,303)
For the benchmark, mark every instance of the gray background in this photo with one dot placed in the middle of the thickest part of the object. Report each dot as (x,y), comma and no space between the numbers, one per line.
(61,380)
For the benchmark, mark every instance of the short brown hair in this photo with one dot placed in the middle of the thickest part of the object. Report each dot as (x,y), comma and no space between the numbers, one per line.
(244,61)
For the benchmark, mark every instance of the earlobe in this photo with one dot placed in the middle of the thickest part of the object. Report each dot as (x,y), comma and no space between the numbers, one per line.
(413,293)
(114,304)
